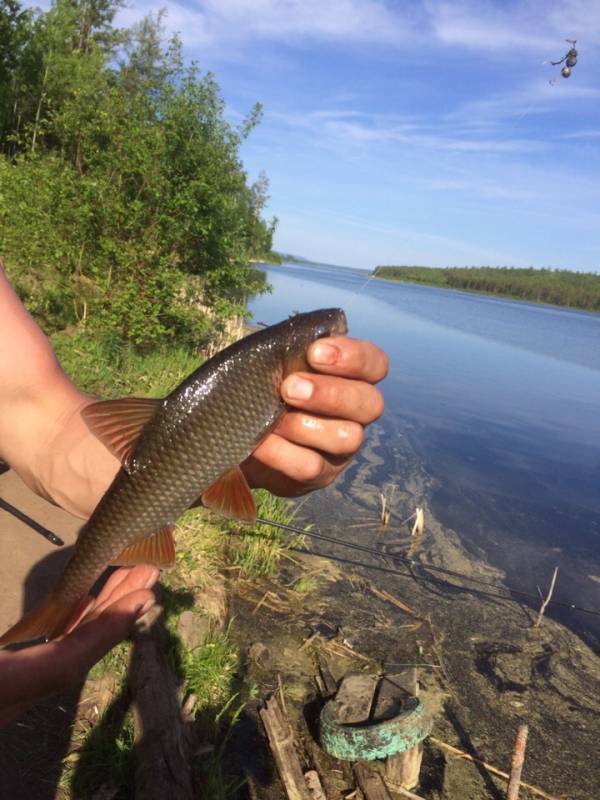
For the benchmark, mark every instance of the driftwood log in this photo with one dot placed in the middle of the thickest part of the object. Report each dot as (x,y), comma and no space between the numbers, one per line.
(161,741)
(283,746)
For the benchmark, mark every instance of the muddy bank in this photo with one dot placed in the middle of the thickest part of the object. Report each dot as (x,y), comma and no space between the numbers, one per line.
(484,668)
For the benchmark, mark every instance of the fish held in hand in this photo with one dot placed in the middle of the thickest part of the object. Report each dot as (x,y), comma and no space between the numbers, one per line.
(176,453)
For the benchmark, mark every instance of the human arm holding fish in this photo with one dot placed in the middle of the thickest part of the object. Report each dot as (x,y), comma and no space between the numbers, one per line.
(44,438)
(36,672)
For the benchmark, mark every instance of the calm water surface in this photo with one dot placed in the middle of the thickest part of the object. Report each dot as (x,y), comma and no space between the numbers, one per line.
(501,401)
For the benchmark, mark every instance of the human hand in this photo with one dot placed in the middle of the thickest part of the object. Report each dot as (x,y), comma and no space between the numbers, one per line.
(27,676)
(331,407)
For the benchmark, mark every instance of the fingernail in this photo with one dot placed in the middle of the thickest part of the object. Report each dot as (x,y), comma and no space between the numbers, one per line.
(324,354)
(298,389)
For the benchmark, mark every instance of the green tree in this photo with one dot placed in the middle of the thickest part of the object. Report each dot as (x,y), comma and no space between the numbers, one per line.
(126,206)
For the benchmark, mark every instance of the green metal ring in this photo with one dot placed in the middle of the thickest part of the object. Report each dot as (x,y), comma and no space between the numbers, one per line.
(379,740)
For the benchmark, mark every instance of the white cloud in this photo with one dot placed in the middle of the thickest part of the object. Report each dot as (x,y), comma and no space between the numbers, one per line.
(591,133)
(353,128)
(216,22)
(516,28)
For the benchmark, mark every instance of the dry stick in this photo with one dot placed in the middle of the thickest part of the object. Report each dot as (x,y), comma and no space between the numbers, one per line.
(547,600)
(516,768)
(393,600)
(535,789)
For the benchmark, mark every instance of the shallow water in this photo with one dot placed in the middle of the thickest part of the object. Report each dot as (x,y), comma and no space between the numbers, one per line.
(500,401)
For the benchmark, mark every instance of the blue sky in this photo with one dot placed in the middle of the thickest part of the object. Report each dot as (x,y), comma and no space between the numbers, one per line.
(422,132)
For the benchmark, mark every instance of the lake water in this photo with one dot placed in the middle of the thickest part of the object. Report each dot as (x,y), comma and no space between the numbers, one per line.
(500,400)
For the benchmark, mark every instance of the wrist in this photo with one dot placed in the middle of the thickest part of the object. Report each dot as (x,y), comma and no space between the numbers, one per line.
(73,468)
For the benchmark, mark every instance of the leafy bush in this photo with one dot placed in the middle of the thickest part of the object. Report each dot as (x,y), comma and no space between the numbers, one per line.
(124,205)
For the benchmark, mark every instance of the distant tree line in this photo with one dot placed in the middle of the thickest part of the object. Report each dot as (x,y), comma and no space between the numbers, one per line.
(124,205)
(558,286)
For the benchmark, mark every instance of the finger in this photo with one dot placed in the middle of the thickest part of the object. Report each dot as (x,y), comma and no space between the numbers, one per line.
(333,396)
(104,629)
(123,581)
(291,461)
(117,599)
(128,579)
(334,436)
(349,358)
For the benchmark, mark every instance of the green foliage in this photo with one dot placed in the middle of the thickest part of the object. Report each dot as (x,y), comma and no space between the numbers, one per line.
(559,286)
(108,367)
(261,546)
(124,206)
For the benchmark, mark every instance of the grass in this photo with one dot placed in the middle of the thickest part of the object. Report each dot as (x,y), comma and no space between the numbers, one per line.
(260,547)
(112,369)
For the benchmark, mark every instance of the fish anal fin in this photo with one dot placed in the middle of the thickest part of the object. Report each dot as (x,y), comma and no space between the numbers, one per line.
(231,497)
(118,423)
(46,621)
(158,549)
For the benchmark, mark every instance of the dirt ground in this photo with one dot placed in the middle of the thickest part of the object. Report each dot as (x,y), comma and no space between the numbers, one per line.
(483,668)
(29,563)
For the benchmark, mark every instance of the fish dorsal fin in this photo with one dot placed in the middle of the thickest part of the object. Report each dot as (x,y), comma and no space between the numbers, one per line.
(118,423)
(231,496)
(158,549)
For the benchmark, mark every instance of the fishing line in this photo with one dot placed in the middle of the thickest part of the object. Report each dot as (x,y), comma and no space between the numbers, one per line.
(491,588)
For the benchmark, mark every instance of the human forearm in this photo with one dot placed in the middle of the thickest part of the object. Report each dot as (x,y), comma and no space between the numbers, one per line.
(42,435)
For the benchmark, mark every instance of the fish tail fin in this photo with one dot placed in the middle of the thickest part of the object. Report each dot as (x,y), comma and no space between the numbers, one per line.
(46,621)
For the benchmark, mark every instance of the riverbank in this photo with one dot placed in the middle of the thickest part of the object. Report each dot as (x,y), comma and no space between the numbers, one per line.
(553,287)
(242,627)
(247,614)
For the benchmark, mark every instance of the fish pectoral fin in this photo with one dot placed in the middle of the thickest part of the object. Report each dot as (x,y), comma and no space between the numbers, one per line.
(118,423)
(158,549)
(231,497)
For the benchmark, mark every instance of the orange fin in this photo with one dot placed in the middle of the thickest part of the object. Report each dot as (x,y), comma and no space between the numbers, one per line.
(46,621)
(158,549)
(231,496)
(118,423)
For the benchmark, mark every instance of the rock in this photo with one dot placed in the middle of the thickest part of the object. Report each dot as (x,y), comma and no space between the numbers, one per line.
(213,602)
(193,628)
(507,666)
(260,654)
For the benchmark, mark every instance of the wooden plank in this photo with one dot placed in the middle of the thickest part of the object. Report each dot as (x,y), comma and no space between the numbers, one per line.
(161,742)
(282,743)
(370,782)
(355,698)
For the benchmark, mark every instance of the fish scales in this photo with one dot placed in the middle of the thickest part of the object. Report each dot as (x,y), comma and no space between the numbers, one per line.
(206,427)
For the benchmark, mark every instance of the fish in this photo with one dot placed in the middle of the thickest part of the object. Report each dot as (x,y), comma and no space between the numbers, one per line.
(176,453)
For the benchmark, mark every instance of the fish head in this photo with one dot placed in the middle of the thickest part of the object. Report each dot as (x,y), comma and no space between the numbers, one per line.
(302,330)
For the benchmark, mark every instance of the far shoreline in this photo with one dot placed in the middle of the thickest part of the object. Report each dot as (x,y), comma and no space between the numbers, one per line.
(482,293)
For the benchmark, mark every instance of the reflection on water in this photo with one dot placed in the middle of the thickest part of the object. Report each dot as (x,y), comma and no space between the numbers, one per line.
(499,398)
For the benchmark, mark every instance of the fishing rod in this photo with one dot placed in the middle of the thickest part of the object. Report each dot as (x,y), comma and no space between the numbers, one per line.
(47,534)
(413,563)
